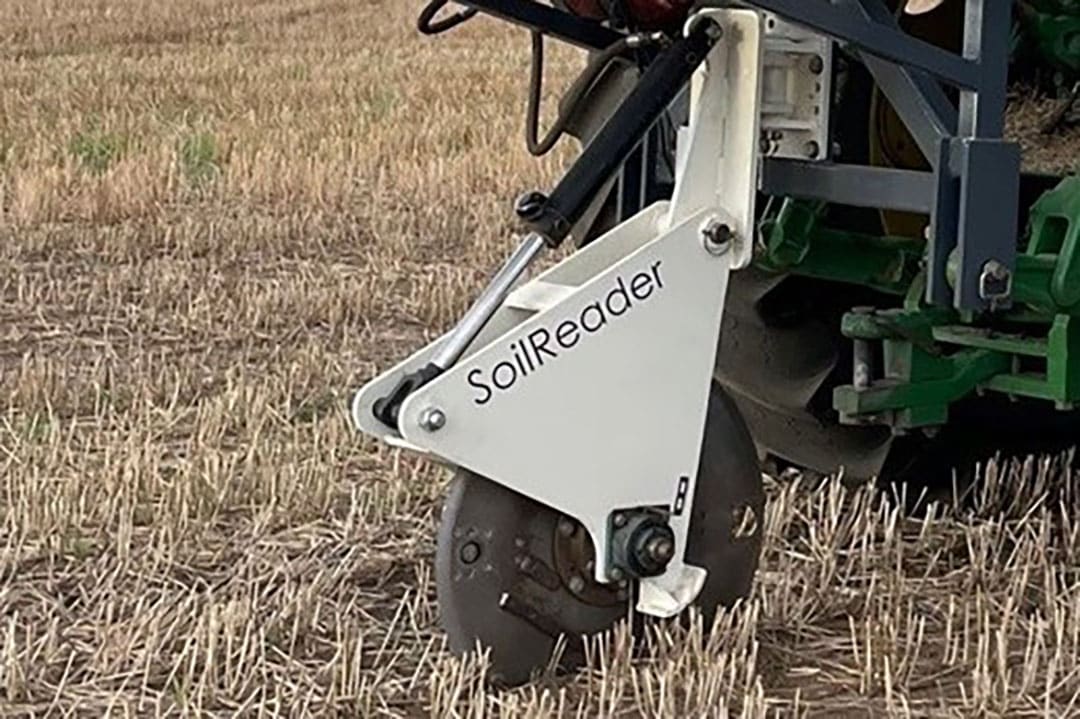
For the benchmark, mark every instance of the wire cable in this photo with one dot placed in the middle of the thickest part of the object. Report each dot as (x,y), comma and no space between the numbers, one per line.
(428,25)
(568,107)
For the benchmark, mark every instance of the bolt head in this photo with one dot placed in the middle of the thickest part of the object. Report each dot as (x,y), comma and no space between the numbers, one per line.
(619,520)
(432,419)
(567,527)
(717,237)
(577,584)
(469,552)
(661,549)
(996,281)
(617,574)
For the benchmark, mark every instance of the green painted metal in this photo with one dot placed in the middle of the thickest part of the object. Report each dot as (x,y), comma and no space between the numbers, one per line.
(1052,29)
(796,240)
(932,357)
(918,387)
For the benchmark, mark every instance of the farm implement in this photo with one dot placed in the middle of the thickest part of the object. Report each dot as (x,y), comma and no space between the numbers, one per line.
(799,237)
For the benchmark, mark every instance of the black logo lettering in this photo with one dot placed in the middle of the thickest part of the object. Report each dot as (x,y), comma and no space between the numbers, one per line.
(543,345)
(539,346)
(474,381)
(600,317)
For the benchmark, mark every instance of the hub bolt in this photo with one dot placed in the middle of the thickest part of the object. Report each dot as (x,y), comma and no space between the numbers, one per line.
(432,419)
(469,553)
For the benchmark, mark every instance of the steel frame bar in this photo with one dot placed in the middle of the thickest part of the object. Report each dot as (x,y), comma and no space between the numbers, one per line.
(853,185)
(973,198)
(919,98)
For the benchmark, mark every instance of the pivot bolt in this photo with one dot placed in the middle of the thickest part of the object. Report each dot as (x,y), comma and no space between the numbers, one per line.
(432,419)
(717,238)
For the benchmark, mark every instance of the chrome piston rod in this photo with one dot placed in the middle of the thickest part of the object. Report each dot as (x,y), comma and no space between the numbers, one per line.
(482,310)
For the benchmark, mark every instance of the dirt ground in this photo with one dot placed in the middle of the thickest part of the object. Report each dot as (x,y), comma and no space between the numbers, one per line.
(218,219)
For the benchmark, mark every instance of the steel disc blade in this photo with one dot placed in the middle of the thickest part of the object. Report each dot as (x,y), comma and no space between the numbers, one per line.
(512,576)
(498,584)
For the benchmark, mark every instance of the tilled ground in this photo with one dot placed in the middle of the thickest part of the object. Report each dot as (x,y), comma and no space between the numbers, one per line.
(218,219)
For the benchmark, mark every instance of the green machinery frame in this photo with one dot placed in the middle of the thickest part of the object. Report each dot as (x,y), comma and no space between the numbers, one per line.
(931,357)
(912,362)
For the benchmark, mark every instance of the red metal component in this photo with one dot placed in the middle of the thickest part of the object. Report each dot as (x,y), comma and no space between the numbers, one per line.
(648,14)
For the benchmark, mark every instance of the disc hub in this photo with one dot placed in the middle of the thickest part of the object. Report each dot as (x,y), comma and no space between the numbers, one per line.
(643,543)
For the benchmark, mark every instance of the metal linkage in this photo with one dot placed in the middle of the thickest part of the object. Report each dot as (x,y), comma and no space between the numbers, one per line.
(550,218)
(932,360)
(553,215)
(973,199)
(795,240)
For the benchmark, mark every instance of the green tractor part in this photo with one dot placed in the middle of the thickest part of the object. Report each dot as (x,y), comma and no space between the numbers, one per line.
(796,239)
(913,362)
(1051,29)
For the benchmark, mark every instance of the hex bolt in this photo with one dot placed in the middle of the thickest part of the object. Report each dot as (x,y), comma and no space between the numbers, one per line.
(469,553)
(717,238)
(577,584)
(432,419)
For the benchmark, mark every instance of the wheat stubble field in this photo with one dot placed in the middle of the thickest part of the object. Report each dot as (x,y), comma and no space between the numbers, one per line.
(217,219)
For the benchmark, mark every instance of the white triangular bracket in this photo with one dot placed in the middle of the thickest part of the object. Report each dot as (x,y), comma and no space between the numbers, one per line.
(588,389)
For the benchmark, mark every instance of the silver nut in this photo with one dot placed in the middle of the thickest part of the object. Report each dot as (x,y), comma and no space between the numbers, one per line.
(432,419)
(661,549)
